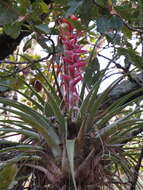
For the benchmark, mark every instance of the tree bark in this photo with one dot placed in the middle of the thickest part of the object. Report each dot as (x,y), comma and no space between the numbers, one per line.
(123,88)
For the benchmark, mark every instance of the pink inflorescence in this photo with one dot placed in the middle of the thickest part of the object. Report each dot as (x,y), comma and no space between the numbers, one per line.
(73,63)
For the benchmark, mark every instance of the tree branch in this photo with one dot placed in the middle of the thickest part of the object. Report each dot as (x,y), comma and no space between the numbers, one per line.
(124,88)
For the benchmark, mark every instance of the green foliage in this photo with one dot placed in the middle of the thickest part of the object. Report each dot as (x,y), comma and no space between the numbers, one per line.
(90,10)
(73,6)
(106,23)
(92,73)
(132,56)
(4,85)
(12,30)
(43,28)
(38,8)
(7,175)
(7,16)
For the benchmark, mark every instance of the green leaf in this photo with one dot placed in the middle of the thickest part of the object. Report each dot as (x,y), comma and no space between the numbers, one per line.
(76,24)
(61,1)
(40,99)
(103,24)
(111,129)
(36,121)
(92,74)
(28,133)
(27,45)
(119,105)
(116,22)
(12,30)
(54,103)
(7,175)
(127,32)
(70,145)
(73,6)
(132,56)
(106,23)
(22,6)
(101,3)
(87,12)
(126,134)
(87,101)
(96,103)
(38,8)
(4,85)
(22,148)
(8,87)
(7,15)
(43,28)
(17,123)
(57,112)
(44,7)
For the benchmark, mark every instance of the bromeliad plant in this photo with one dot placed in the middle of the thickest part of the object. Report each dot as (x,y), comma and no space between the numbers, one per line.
(61,148)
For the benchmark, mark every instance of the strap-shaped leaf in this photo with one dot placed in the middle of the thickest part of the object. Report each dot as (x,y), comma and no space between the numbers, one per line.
(40,99)
(117,125)
(17,123)
(126,134)
(22,148)
(57,111)
(88,101)
(52,90)
(28,133)
(7,175)
(70,145)
(96,104)
(54,102)
(119,105)
(36,120)
(24,95)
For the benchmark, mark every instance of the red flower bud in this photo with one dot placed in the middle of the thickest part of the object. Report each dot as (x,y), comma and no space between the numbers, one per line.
(73,17)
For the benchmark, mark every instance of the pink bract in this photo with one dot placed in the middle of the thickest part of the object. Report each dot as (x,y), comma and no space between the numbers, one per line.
(73,64)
